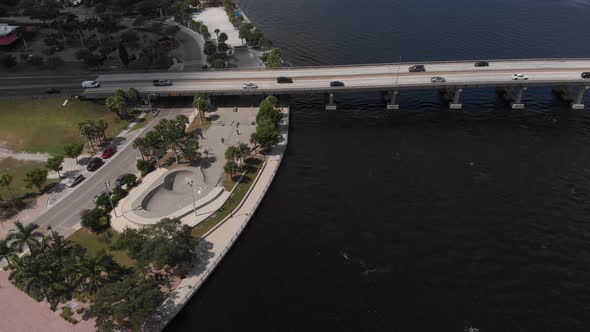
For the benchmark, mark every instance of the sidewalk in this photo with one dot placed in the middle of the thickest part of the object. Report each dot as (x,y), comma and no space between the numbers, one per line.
(215,244)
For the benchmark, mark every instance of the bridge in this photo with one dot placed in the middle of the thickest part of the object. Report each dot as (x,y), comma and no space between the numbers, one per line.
(564,75)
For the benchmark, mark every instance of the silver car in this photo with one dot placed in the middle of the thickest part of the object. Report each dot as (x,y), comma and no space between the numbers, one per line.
(438,79)
(249,86)
(74,180)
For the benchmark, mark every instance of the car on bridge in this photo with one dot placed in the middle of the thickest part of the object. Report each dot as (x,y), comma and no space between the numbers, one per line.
(90,84)
(283,79)
(161,82)
(438,79)
(249,86)
(51,91)
(482,64)
(586,74)
(336,84)
(517,77)
(417,68)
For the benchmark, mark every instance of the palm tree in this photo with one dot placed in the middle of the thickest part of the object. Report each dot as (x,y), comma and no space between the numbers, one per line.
(6,181)
(25,234)
(230,167)
(90,270)
(243,151)
(217,31)
(200,103)
(117,104)
(6,250)
(87,130)
(132,96)
(140,143)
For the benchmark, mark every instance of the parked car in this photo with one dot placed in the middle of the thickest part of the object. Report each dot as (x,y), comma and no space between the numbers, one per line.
(94,164)
(517,77)
(417,68)
(438,79)
(51,90)
(336,83)
(482,64)
(74,180)
(90,84)
(108,152)
(161,82)
(586,74)
(283,79)
(119,180)
(249,86)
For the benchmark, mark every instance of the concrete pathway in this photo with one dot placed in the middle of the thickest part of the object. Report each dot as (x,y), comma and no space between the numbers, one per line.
(217,242)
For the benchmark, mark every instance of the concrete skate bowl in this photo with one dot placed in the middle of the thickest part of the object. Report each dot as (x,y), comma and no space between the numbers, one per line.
(168,194)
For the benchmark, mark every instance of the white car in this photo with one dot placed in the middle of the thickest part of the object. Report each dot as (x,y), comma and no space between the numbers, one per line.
(517,77)
(90,84)
(249,86)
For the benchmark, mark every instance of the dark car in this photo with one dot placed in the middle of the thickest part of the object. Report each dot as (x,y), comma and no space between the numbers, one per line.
(120,178)
(482,64)
(336,83)
(94,164)
(162,82)
(51,91)
(417,68)
(586,74)
(283,79)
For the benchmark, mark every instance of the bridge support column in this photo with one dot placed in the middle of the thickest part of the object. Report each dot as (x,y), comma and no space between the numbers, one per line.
(392,100)
(455,104)
(517,103)
(577,102)
(331,106)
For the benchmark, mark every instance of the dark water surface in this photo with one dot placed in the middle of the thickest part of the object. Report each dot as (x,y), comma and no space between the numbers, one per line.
(422,219)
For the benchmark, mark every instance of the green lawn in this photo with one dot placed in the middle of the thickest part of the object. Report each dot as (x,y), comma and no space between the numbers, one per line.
(44,125)
(18,169)
(95,242)
(144,121)
(252,167)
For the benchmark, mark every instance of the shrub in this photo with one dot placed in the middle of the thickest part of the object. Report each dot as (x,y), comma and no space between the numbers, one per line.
(130,181)
(145,167)
(94,219)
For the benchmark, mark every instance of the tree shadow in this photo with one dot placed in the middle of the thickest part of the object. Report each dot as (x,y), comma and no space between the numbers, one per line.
(207,160)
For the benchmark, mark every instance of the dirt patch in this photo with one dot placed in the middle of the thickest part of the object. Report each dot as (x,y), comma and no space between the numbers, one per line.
(6,152)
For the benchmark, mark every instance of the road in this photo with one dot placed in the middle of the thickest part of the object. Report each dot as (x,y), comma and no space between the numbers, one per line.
(358,78)
(66,213)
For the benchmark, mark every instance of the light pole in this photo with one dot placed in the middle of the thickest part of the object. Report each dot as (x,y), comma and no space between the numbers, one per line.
(189,182)
(106,185)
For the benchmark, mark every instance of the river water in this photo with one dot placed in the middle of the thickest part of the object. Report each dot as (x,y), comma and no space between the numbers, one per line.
(421,219)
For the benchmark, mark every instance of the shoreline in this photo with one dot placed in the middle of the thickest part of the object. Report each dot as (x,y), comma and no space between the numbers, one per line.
(221,238)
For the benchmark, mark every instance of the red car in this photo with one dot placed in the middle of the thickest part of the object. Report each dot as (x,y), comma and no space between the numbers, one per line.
(107,153)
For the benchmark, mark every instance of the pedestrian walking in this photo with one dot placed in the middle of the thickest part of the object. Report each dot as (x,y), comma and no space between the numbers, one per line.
(237,131)
(237,124)
(222,141)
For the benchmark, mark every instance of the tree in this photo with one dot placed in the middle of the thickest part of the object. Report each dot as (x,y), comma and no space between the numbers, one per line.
(117,104)
(219,63)
(230,167)
(209,48)
(200,102)
(6,250)
(167,245)
(25,235)
(123,55)
(222,38)
(6,181)
(265,43)
(145,166)
(132,96)
(245,31)
(126,304)
(55,163)
(141,145)
(273,60)
(217,31)
(91,271)
(172,30)
(55,62)
(172,132)
(190,149)
(231,153)
(265,136)
(8,60)
(36,178)
(73,150)
(93,219)
(129,36)
(273,100)
(222,47)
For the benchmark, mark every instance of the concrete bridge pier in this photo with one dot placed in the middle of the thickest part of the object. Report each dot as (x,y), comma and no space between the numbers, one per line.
(575,98)
(455,104)
(391,97)
(513,95)
(331,106)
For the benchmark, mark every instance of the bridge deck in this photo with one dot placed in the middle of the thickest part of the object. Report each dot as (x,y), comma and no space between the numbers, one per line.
(356,77)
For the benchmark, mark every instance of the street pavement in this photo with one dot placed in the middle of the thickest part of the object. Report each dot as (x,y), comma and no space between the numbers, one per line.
(359,77)
(64,216)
